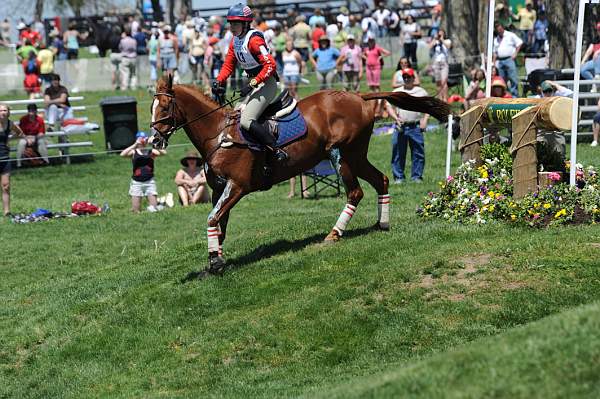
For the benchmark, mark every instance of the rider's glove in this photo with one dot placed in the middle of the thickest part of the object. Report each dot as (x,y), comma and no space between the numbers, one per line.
(217,89)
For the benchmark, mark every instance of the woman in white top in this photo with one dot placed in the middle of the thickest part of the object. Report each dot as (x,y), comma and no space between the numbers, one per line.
(439,49)
(411,32)
(292,68)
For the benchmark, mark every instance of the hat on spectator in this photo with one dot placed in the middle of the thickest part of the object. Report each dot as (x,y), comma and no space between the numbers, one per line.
(546,86)
(167,28)
(191,154)
(21,26)
(408,72)
(323,38)
(344,10)
(141,135)
(213,40)
(497,81)
(350,37)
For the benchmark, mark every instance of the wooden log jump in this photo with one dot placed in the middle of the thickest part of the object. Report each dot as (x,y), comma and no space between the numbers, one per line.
(526,116)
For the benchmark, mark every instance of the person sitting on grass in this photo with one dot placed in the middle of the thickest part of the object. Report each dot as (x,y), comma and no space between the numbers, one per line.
(191,180)
(34,129)
(142,181)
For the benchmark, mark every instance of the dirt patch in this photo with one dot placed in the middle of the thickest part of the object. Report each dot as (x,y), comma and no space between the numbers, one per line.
(426,281)
(456,297)
(594,244)
(471,262)
(512,285)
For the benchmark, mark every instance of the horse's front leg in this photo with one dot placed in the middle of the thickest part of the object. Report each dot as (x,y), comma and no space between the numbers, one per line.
(217,218)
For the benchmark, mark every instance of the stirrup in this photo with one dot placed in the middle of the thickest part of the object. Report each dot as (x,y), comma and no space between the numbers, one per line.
(280,155)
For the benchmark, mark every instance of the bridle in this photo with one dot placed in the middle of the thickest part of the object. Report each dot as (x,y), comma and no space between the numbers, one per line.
(173,110)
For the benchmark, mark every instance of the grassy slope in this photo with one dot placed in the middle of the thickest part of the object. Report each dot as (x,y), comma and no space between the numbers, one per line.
(93,307)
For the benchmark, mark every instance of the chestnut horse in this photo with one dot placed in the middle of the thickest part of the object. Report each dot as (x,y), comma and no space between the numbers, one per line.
(335,119)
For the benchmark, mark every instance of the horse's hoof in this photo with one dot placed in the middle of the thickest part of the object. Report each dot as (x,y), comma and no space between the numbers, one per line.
(216,265)
(333,236)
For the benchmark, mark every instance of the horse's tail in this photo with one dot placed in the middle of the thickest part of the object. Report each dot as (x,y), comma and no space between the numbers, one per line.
(428,105)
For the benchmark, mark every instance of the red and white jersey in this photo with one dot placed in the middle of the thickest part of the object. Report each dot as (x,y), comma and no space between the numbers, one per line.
(252,54)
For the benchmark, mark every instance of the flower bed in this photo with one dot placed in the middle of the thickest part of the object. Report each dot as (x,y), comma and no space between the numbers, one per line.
(483,194)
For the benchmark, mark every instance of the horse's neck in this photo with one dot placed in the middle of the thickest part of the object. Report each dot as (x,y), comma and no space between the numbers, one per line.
(204,132)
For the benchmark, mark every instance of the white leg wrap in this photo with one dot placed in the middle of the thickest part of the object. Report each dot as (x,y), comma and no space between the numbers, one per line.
(344,218)
(213,239)
(383,210)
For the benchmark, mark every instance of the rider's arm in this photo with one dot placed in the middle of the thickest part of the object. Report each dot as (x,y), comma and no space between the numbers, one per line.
(228,66)
(259,49)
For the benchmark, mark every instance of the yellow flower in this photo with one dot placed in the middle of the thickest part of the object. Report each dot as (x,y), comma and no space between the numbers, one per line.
(484,174)
(536,204)
(547,205)
(491,194)
(498,195)
(491,208)
(560,213)
(513,217)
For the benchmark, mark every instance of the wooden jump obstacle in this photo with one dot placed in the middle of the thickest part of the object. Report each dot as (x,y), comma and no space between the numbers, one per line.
(526,116)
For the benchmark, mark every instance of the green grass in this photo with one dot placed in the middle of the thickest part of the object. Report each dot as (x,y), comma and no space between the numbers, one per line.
(94,307)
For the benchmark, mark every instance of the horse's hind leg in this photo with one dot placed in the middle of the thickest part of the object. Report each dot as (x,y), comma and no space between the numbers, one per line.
(380,183)
(354,194)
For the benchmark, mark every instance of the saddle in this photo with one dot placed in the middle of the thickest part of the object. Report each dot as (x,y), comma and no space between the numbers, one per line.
(281,118)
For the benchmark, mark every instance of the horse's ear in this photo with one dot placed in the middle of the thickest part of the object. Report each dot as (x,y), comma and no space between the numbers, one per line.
(169,82)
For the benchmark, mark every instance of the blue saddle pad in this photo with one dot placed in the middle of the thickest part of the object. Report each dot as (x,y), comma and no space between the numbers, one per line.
(290,127)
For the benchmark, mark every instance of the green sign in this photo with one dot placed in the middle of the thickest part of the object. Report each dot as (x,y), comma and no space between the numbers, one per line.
(516,4)
(502,114)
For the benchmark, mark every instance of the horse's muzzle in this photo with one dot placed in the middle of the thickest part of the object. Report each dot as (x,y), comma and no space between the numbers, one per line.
(158,141)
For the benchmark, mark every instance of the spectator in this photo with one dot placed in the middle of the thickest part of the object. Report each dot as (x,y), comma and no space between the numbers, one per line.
(152,54)
(168,51)
(503,15)
(317,32)
(354,29)
(323,60)
(279,44)
(394,27)
(549,88)
(369,26)
(197,48)
(411,32)
(397,80)
(46,60)
(300,34)
(6,128)
(71,40)
(554,140)
(127,70)
(340,38)
(24,51)
(439,49)
(436,23)
(142,180)
(140,40)
(506,48)
(38,26)
(408,132)
(292,68)
(499,88)
(382,16)
(592,53)
(115,57)
(5,32)
(540,34)
(344,17)
(476,89)
(56,99)
(292,193)
(32,83)
(191,181)
(58,46)
(317,19)
(373,56)
(34,129)
(526,17)
(596,127)
(27,34)
(351,61)
(331,30)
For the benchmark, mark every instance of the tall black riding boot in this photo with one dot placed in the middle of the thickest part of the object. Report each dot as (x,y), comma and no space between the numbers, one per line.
(261,133)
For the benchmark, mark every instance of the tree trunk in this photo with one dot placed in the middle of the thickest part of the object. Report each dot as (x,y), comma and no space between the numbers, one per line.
(562,32)
(468,35)
(158,16)
(39,9)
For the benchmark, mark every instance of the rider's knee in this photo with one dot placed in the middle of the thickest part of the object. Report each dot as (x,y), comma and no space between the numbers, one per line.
(245,121)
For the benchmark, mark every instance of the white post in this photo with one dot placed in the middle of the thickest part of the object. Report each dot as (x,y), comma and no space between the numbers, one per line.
(449,144)
(490,49)
(575,111)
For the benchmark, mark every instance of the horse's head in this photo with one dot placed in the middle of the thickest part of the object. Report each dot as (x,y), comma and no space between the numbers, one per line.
(166,117)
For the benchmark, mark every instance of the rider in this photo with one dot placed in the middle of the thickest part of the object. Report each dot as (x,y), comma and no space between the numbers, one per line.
(249,50)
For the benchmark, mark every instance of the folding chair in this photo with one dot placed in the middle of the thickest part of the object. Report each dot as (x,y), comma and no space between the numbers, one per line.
(455,77)
(324,176)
